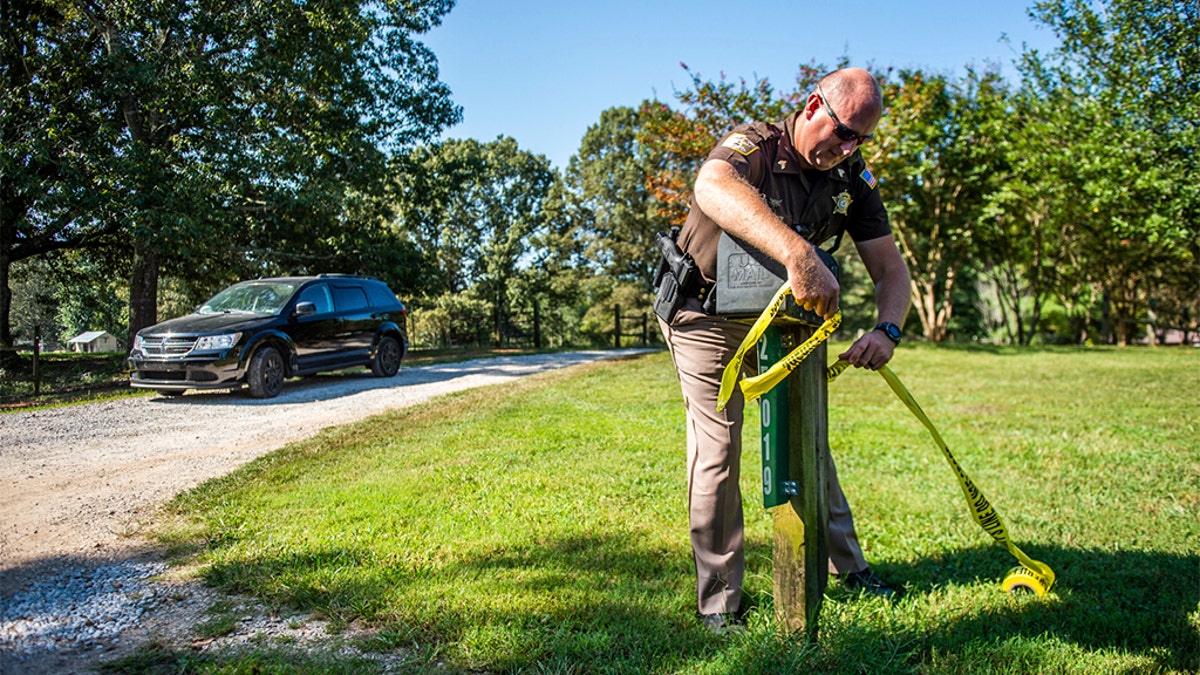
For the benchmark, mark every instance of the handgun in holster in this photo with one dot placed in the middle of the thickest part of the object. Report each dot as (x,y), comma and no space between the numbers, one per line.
(678,277)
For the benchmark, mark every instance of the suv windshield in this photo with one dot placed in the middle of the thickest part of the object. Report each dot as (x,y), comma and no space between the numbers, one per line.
(255,297)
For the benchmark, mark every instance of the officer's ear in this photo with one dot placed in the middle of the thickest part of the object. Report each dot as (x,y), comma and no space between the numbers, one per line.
(811,106)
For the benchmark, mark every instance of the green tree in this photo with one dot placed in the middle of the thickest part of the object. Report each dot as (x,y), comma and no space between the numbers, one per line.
(56,143)
(246,133)
(560,273)
(471,208)
(35,304)
(431,210)
(1131,70)
(1026,239)
(92,292)
(933,171)
(610,177)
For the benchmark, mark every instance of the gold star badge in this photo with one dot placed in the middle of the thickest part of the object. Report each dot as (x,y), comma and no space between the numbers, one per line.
(841,203)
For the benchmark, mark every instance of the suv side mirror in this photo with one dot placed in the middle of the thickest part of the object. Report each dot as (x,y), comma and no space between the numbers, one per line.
(303,308)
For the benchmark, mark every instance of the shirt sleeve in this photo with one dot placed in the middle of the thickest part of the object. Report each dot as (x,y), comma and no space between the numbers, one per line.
(868,217)
(743,149)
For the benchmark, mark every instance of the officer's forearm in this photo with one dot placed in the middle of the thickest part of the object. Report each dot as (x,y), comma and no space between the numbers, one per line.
(889,273)
(893,297)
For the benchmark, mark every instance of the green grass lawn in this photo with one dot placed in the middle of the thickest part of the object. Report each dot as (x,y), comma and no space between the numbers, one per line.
(541,527)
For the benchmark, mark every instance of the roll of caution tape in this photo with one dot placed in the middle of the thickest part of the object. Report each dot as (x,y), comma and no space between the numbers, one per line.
(1021,578)
(1029,575)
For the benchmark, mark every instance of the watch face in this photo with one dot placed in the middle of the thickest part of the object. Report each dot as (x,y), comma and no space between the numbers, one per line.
(892,331)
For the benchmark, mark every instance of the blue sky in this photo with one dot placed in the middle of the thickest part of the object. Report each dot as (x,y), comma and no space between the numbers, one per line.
(541,71)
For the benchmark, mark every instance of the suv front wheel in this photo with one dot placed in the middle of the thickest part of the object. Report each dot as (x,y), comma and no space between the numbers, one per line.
(264,377)
(387,357)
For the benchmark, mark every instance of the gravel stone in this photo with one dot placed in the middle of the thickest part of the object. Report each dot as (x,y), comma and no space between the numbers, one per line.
(79,586)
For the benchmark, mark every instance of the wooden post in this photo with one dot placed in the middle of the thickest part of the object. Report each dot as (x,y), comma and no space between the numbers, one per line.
(537,326)
(795,464)
(37,357)
(617,326)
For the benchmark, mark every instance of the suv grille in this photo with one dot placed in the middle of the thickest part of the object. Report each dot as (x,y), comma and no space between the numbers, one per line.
(168,347)
(164,375)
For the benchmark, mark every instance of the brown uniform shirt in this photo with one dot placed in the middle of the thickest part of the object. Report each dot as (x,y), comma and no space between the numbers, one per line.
(820,205)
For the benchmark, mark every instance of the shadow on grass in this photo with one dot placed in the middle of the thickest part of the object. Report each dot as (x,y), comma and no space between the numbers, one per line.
(601,600)
(603,603)
(1136,602)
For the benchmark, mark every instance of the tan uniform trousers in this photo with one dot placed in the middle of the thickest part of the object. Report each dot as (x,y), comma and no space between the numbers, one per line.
(701,345)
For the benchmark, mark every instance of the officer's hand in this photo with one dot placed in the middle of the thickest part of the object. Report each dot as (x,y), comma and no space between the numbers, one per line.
(871,351)
(814,287)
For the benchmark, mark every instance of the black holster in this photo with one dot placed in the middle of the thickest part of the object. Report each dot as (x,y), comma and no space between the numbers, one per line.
(678,278)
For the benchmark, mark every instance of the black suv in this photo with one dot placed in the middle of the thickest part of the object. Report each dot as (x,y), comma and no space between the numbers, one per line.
(257,333)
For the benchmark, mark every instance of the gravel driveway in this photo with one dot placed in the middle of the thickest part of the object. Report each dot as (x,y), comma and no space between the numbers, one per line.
(79,482)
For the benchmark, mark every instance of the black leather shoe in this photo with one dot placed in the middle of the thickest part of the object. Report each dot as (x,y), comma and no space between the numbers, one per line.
(867,582)
(724,624)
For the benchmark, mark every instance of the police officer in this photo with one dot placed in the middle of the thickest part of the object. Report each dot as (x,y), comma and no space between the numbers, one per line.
(783,188)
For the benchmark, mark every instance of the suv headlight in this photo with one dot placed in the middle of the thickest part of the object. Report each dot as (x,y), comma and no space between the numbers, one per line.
(211,342)
(138,342)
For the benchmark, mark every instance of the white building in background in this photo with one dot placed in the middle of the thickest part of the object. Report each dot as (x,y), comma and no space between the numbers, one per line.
(94,341)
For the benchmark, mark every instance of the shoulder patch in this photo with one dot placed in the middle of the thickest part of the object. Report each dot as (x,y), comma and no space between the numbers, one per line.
(868,178)
(740,143)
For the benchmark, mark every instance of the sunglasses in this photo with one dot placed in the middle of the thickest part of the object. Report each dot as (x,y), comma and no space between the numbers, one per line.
(841,130)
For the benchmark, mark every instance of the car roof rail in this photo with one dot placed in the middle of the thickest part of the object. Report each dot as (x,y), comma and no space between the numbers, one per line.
(336,275)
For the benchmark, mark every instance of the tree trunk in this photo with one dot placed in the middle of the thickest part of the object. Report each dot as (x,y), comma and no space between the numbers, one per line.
(8,353)
(6,337)
(1106,318)
(143,290)
(499,324)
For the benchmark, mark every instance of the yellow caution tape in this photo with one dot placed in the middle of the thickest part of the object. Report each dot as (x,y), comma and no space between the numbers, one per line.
(754,387)
(734,367)
(1029,575)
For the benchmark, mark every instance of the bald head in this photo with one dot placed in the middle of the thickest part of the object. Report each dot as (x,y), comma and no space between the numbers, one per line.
(853,86)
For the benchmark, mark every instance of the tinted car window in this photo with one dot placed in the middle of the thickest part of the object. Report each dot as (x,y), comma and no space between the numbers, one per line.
(317,294)
(381,296)
(349,298)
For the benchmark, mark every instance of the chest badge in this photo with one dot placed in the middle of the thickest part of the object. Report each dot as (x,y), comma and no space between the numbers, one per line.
(783,165)
(841,203)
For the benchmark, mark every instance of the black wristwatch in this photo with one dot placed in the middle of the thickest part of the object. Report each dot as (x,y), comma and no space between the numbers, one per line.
(891,330)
